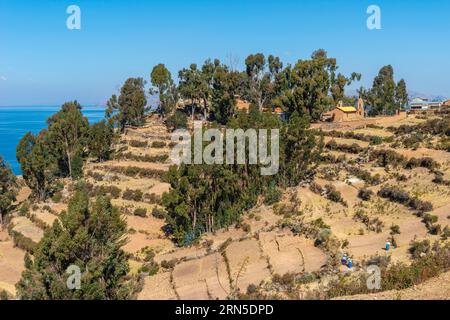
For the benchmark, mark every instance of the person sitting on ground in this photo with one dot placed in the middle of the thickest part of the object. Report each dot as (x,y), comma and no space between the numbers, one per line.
(388,245)
(344,259)
(350,263)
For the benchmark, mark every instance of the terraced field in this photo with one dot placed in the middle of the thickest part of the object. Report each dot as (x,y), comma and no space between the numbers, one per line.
(276,240)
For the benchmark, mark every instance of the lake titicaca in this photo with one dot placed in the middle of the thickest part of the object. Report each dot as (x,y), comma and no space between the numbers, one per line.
(16,121)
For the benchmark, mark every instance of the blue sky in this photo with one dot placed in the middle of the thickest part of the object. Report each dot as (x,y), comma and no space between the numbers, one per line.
(42,62)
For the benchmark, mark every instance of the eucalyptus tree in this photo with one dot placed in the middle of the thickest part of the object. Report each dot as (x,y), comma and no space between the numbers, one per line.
(129,108)
(401,95)
(161,79)
(37,163)
(308,86)
(8,188)
(88,237)
(69,132)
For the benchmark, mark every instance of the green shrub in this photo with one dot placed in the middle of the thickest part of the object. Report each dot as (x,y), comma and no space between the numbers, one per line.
(273,195)
(137,171)
(251,289)
(376,140)
(169,264)
(57,197)
(152,198)
(140,212)
(158,144)
(353,148)
(365,194)
(385,157)
(400,196)
(445,233)
(430,219)
(24,209)
(419,248)
(246,227)
(395,229)
(426,162)
(113,191)
(23,242)
(333,194)
(158,213)
(364,175)
(177,121)
(144,158)
(95,175)
(138,143)
(133,195)
(3,295)
(316,188)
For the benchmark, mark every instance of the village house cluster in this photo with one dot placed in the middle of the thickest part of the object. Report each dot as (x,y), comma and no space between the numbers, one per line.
(420,105)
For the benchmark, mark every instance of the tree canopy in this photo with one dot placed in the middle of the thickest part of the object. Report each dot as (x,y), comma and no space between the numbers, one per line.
(60,150)
(128,109)
(68,132)
(205,198)
(38,164)
(165,88)
(89,236)
(385,97)
(8,188)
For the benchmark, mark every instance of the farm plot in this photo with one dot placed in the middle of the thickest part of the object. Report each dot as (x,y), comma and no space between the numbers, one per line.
(290,254)
(204,278)
(247,266)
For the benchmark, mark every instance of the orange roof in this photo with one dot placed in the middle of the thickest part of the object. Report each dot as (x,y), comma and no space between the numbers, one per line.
(242,105)
(278,110)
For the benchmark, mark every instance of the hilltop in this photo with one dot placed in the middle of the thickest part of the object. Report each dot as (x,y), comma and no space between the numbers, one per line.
(274,250)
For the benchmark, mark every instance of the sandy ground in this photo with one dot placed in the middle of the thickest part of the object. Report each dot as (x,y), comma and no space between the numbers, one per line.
(45,216)
(360,143)
(182,253)
(246,264)
(139,241)
(24,226)
(373,132)
(157,287)
(204,278)
(290,254)
(11,263)
(23,194)
(433,289)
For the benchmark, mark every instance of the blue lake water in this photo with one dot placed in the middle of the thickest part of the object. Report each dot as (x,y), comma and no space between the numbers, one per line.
(15,122)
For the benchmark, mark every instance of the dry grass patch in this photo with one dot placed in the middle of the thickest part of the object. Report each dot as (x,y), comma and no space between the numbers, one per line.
(27,228)
(200,279)
(291,254)
(11,263)
(157,287)
(247,266)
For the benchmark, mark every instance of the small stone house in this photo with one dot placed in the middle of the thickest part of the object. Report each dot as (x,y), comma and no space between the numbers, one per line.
(345,113)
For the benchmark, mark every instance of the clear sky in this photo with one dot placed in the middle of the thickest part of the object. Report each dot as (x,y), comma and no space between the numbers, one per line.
(42,62)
